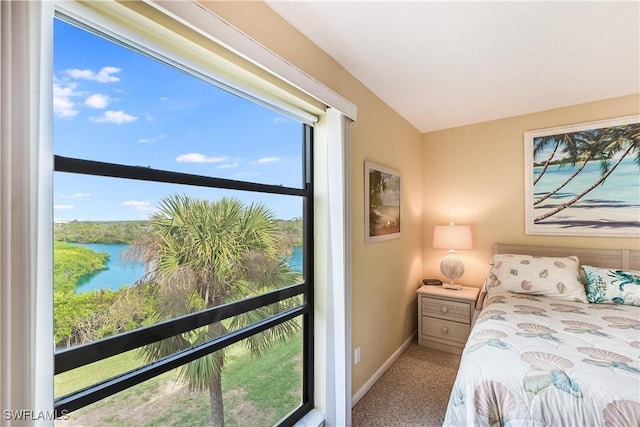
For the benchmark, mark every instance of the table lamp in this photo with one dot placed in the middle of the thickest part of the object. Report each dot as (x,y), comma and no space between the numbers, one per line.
(452,237)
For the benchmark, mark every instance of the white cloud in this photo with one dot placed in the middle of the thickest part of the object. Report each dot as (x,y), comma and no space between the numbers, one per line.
(229,165)
(152,139)
(77,196)
(268,160)
(80,74)
(63,207)
(135,203)
(199,158)
(117,117)
(139,205)
(278,120)
(102,76)
(63,106)
(246,174)
(97,100)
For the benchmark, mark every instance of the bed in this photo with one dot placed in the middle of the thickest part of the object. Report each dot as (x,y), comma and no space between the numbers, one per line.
(556,343)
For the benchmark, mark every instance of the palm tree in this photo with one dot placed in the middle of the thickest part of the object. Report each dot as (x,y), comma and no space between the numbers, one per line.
(540,144)
(625,139)
(580,148)
(203,254)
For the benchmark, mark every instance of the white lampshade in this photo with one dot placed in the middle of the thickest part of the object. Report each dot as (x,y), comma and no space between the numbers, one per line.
(452,237)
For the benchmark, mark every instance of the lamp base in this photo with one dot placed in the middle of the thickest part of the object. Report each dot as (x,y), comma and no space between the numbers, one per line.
(453,286)
(452,267)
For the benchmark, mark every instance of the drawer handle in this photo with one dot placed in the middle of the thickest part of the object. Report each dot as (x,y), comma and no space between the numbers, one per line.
(444,309)
(444,329)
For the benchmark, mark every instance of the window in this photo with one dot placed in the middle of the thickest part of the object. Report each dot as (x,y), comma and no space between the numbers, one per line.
(183,243)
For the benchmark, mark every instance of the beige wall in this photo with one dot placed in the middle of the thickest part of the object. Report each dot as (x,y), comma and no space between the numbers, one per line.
(472,174)
(384,275)
(475,175)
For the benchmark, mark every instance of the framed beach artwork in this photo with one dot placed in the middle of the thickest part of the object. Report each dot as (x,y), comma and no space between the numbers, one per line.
(381,203)
(584,179)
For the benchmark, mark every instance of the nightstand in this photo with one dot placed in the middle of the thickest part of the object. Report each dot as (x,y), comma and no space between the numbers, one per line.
(444,317)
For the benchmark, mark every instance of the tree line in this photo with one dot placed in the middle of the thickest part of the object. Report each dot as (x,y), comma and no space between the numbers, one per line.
(99,231)
(128,231)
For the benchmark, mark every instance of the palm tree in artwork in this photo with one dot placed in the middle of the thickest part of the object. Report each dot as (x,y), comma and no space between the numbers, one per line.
(542,143)
(578,149)
(610,146)
(203,254)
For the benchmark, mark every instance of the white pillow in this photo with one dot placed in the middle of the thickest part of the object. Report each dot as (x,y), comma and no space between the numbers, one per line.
(525,274)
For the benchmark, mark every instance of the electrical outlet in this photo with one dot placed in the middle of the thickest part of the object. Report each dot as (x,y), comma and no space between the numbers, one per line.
(356,355)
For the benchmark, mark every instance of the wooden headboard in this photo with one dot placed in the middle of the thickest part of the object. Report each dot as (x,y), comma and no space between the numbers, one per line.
(624,259)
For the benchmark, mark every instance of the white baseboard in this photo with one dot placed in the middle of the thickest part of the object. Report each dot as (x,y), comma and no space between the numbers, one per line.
(386,365)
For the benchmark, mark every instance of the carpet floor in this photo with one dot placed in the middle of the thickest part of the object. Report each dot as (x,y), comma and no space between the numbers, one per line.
(414,391)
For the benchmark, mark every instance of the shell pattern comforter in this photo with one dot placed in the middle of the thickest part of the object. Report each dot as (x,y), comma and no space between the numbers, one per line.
(539,361)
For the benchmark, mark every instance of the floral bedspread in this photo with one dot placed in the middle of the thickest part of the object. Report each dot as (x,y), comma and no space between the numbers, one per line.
(538,361)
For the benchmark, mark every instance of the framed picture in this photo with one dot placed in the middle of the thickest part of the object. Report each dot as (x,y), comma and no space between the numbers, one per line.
(584,179)
(381,203)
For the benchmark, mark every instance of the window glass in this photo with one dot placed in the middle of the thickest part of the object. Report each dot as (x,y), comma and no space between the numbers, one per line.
(255,391)
(115,105)
(102,370)
(108,275)
(132,253)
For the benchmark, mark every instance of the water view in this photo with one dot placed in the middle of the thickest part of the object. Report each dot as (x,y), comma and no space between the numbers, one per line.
(121,273)
(118,273)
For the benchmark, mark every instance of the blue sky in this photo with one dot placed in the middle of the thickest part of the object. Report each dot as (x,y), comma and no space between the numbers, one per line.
(114,105)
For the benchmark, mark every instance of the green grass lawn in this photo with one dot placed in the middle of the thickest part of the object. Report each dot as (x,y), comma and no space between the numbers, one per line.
(257,391)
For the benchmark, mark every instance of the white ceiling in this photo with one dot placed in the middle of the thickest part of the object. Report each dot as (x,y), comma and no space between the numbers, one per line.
(443,64)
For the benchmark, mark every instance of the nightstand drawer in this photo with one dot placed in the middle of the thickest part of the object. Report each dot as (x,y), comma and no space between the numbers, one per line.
(448,310)
(449,331)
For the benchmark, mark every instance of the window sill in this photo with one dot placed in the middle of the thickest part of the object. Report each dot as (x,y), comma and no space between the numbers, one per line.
(314,418)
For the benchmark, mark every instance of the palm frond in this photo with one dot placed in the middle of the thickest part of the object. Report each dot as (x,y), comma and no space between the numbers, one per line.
(206,253)
(200,373)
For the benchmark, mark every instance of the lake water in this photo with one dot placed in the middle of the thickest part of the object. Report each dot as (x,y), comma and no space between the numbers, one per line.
(119,274)
(296,259)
